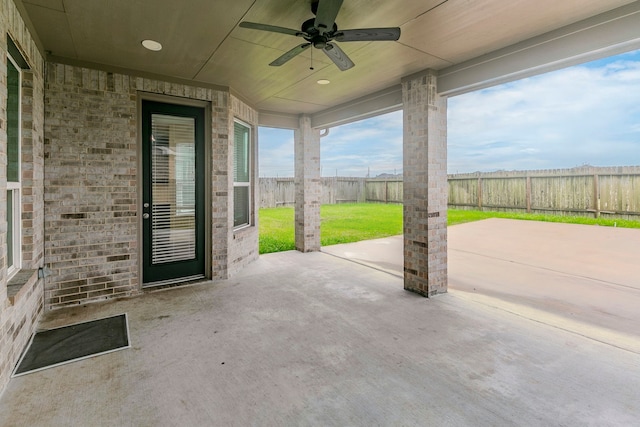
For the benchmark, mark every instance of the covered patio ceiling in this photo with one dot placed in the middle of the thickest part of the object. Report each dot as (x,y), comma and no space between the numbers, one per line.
(472,43)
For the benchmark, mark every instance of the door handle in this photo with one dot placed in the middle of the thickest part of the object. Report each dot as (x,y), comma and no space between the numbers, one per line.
(145,216)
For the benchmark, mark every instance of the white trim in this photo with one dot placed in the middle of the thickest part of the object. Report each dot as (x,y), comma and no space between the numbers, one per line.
(16,233)
(15,187)
(250,183)
(242,122)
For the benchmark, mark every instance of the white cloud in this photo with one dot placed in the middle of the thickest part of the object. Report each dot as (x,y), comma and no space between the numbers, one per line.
(276,157)
(372,146)
(584,114)
(369,146)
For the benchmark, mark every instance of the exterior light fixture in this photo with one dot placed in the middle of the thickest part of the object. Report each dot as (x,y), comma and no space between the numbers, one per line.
(323,82)
(152,45)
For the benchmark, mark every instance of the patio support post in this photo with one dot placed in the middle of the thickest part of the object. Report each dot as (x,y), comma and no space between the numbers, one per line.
(425,185)
(307,186)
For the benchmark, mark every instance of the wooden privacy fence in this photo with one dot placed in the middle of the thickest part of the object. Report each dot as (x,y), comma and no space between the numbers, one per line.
(384,190)
(277,192)
(586,191)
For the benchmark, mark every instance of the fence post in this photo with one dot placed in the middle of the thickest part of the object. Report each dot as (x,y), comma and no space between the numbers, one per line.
(528,194)
(596,195)
(386,193)
(365,190)
(480,193)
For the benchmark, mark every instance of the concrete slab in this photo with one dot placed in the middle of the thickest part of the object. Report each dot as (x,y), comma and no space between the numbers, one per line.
(312,339)
(585,279)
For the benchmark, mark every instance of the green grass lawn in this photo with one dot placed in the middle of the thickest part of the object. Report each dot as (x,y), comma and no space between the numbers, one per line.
(345,223)
(276,230)
(456,216)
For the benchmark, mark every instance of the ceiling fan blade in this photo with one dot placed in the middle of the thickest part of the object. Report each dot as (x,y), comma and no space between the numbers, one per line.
(326,15)
(338,57)
(271,28)
(368,34)
(290,55)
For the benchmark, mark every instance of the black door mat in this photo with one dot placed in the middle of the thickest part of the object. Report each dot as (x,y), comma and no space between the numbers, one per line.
(68,344)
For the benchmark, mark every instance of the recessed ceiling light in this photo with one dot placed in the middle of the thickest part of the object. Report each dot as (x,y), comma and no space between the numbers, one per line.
(323,82)
(152,45)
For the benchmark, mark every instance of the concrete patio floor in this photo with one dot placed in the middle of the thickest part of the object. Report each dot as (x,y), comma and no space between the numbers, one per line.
(585,279)
(316,339)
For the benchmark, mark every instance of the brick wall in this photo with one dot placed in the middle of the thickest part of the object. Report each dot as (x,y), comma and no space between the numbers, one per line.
(32,152)
(21,299)
(91,203)
(86,226)
(91,182)
(221,175)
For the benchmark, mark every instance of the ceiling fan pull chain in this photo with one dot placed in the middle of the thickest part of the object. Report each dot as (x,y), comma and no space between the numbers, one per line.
(311,67)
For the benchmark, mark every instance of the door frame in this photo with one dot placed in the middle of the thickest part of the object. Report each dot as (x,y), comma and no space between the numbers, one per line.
(206,106)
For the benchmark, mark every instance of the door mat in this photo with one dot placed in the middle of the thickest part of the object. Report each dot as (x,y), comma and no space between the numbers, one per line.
(55,347)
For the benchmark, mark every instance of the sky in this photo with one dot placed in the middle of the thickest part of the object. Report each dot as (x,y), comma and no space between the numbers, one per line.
(583,115)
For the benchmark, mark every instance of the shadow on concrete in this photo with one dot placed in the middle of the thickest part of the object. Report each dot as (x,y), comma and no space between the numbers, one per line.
(314,339)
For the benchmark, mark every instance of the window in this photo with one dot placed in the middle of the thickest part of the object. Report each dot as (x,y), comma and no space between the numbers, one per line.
(241,175)
(14,240)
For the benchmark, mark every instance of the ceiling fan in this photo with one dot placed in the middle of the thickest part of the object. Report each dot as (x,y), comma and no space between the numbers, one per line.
(321,31)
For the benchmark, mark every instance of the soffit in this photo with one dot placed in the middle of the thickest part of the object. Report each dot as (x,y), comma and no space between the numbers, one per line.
(202,40)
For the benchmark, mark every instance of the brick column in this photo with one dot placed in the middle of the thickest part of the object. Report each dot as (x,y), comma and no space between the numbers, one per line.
(307,186)
(425,185)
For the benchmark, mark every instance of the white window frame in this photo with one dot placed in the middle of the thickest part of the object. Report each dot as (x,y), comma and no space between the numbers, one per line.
(249,183)
(14,189)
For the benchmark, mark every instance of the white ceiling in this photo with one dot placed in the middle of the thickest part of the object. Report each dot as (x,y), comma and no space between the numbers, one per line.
(202,41)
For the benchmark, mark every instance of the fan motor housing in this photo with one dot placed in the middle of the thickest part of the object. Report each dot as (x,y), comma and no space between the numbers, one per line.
(312,35)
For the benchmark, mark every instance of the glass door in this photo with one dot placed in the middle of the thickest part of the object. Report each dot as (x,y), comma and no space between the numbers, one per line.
(173,193)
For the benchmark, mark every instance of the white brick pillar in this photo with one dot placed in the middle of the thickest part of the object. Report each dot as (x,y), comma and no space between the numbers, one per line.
(425,185)
(307,186)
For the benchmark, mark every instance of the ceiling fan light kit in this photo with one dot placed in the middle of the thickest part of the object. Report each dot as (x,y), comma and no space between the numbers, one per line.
(322,30)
